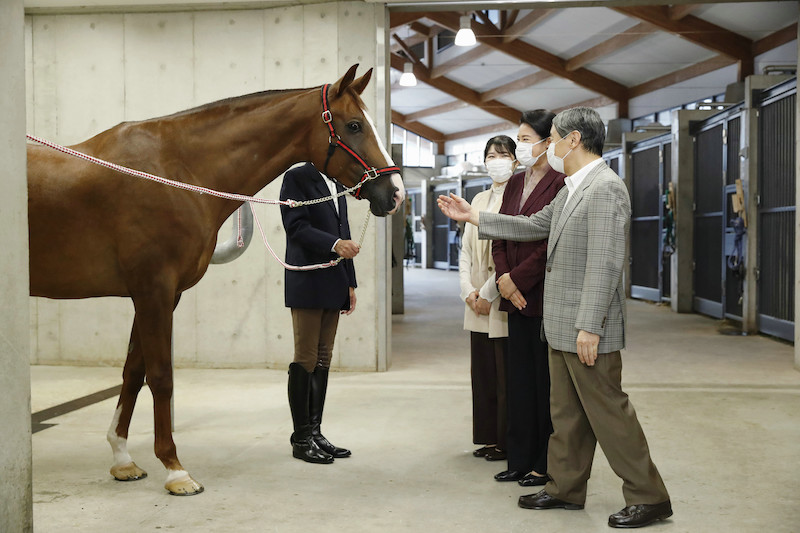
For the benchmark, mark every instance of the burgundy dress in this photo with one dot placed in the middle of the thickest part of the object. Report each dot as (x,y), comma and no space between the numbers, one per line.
(527,370)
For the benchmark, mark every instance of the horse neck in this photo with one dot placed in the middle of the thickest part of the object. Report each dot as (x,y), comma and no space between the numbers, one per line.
(240,147)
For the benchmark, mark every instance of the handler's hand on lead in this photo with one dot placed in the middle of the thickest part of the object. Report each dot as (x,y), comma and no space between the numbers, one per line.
(347,249)
(587,347)
(455,207)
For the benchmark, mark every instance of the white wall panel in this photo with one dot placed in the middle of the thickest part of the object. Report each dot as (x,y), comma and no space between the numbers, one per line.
(228,54)
(89,72)
(283,48)
(320,43)
(159,64)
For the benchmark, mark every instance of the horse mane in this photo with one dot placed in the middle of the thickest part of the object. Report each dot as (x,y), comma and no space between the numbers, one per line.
(237,101)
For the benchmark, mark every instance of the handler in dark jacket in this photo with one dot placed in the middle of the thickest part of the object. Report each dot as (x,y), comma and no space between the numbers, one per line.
(315,234)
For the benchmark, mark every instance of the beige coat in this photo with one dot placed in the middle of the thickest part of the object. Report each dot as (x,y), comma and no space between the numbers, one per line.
(476,272)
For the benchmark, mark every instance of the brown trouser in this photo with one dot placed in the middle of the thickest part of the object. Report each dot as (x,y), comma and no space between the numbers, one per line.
(314,332)
(588,406)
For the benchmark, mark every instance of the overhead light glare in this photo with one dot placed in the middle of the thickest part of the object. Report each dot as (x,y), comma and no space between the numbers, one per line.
(465,35)
(407,79)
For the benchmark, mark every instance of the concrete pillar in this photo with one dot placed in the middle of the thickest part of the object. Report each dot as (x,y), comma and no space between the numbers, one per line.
(682,279)
(748,170)
(16,512)
(797,229)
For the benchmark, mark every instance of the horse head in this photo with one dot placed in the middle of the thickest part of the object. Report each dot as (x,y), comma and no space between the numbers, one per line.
(353,151)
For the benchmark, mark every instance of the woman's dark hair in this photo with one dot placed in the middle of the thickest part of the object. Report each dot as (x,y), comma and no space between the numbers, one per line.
(540,120)
(503,144)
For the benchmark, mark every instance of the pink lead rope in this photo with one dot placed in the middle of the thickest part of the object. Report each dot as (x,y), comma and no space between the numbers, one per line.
(229,196)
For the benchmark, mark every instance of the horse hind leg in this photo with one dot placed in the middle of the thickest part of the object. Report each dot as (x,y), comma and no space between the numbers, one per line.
(124,469)
(154,326)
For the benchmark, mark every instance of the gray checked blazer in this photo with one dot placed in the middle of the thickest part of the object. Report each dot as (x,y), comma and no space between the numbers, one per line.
(583,287)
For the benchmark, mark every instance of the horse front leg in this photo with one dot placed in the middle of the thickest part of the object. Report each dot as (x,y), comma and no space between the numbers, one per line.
(124,469)
(154,324)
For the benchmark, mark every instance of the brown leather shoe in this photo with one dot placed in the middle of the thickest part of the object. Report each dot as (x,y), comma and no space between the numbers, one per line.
(640,515)
(542,500)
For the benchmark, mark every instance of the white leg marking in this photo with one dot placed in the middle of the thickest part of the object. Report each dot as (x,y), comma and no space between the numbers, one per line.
(118,445)
(176,475)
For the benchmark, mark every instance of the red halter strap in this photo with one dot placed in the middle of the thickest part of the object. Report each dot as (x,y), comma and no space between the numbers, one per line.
(334,140)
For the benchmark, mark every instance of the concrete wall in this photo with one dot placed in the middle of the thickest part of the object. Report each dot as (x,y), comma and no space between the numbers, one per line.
(15,400)
(88,72)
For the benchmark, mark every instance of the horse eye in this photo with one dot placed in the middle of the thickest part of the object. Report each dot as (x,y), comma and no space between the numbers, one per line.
(354,126)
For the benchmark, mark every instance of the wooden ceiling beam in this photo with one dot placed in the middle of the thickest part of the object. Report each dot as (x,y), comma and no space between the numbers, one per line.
(475,52)
(608,47)
(420,129)
(680,11)
(437,110)
(600,101)
(537,57)
(523,25)
(484,130)
(484,16)
(693,29)
(407,49)
(698,69)
(421,28)
(511,18)
(457,90)
(774,40)
(398,18)
(517,85)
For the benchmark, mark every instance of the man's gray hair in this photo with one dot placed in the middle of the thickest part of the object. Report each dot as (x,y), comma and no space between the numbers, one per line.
(587,122)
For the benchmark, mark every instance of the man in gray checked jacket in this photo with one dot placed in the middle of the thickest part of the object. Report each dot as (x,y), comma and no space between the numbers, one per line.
(584,323)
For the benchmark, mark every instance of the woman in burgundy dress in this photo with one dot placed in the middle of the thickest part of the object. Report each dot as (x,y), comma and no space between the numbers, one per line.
(520,270)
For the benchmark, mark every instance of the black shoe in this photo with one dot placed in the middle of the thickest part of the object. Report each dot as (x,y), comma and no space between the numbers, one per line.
(529,480)
(640,515)
(307,450)
(318,383)
(495,454)
(509,475)
(326,446)
(542,500)
(481,452)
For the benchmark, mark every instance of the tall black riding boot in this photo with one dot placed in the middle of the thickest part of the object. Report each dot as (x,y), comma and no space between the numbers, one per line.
(303,445)
(319,386)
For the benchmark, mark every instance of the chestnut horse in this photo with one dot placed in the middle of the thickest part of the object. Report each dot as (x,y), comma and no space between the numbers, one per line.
(95,232)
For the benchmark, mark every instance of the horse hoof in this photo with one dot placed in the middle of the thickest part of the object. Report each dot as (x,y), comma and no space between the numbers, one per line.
(184,486)
(128,472)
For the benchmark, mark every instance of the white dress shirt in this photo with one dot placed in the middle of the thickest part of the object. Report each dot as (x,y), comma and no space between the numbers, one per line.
(332,187)
(574,181)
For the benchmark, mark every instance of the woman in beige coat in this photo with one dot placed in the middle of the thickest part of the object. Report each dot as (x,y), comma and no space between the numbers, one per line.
(482,316)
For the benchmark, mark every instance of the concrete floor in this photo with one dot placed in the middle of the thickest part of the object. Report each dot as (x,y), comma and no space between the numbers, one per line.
(720,414)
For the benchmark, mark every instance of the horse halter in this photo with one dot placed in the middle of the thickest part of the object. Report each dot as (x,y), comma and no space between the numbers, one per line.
(370,172)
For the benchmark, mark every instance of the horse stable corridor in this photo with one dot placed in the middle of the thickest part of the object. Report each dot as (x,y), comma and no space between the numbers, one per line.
(717,411)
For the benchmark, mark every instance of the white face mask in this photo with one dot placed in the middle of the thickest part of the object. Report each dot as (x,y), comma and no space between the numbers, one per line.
(523,153)
(500,170)
(556,163)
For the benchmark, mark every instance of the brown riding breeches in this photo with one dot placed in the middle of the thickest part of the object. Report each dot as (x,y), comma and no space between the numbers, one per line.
(314,333)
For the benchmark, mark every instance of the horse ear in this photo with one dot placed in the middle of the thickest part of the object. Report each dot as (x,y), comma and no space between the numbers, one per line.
(361,83)
(338,88)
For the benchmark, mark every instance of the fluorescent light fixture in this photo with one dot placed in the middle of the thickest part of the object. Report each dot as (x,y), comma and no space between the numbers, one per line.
(407,79)
(465,36)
